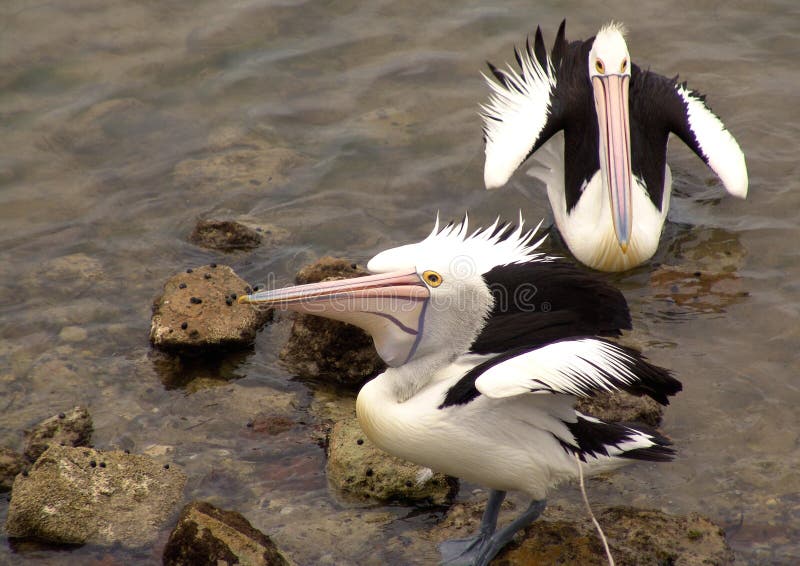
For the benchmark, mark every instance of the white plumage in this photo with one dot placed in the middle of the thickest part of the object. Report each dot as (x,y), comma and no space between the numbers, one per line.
(487,388)
(599,127)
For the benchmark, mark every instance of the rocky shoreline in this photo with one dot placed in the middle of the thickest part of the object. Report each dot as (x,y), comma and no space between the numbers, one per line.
(64,491)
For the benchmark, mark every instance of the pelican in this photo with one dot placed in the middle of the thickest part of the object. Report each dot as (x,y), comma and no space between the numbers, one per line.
(599,126)
(489,343)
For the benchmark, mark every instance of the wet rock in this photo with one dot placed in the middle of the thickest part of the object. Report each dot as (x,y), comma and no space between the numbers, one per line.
(357,467)
(622,407)
(323,348)
(81,495)
(635,536)
(270,424)
(271,235)
(566,535)
(73,334)
(696,291)
(74,274)
(11,464)
(238,159)
(198,309)
(225,235)
(70,428)
(329,268)
(93,130)
(709,249)
(206,535)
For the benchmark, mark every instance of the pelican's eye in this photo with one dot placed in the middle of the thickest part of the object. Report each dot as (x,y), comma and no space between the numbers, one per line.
(432,278)
(598,64)
(624,66)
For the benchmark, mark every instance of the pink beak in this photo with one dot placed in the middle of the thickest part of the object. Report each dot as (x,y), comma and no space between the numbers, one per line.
(611,104)
(389,306)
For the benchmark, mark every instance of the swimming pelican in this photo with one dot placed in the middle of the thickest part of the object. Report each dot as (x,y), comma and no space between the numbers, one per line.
(489,343)
(599,126)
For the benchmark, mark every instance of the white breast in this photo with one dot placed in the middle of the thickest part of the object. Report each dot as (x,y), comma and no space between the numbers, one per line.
(588,229)
(502,444)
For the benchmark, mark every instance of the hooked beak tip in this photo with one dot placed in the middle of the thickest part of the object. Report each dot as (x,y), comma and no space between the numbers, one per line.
(624,247)
(244,300)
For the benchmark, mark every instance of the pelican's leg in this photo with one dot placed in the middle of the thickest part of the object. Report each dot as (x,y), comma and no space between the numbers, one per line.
(466,551)
(504,535)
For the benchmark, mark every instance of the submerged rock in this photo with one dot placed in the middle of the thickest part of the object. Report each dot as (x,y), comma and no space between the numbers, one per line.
(81,495)
(11,464)
(692,291)
(357,467)
(76,274)
(198,309)
(323,348)
(206,535)
(72,428)
(236,159)
(225,235)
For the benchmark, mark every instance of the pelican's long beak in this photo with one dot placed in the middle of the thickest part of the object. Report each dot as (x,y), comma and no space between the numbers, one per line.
(611,103)
(389,306)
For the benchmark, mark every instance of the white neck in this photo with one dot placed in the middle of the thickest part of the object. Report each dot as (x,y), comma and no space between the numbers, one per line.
(402,383)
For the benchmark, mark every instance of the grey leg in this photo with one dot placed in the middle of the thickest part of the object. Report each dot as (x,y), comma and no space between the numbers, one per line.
(502,537)
(466,551)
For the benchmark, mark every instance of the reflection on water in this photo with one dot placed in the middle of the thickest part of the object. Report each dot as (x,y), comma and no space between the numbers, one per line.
(343,127)
(199,371)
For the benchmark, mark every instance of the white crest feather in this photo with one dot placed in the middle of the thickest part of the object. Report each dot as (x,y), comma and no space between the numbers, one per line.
(612,27)
(497,244)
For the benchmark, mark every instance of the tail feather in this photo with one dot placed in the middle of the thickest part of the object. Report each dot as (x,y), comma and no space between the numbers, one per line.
(595,439)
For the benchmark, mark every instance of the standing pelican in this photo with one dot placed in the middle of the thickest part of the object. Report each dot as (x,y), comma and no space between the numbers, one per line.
(489,343)
(607,123)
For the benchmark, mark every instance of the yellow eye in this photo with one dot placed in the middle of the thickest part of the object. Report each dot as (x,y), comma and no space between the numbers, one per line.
(624,64)
(598,64)
(432,278)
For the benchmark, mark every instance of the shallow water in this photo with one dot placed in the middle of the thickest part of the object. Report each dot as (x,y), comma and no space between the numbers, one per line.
(366,113)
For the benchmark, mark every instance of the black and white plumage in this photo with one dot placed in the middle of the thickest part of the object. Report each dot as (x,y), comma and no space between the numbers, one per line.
(599,127)
(490,343)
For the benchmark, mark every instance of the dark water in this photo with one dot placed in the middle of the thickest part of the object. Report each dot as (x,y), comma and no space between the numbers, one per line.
(344,127)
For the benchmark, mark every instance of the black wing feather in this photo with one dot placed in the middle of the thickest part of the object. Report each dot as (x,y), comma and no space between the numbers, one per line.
(541,302)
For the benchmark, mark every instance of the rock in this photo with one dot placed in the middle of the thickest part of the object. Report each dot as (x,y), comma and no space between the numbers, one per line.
(76,274)
(708,249)
(358,467)
(323,348)
(622,407)
(696,291)
(635,536)
(225,235)
(93,130)
(329,268)
(198,310)
(270,424)
(566,535)
(72,428)
(73,334)
(11,464)
(206,535)
(235,160)
(81,495)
